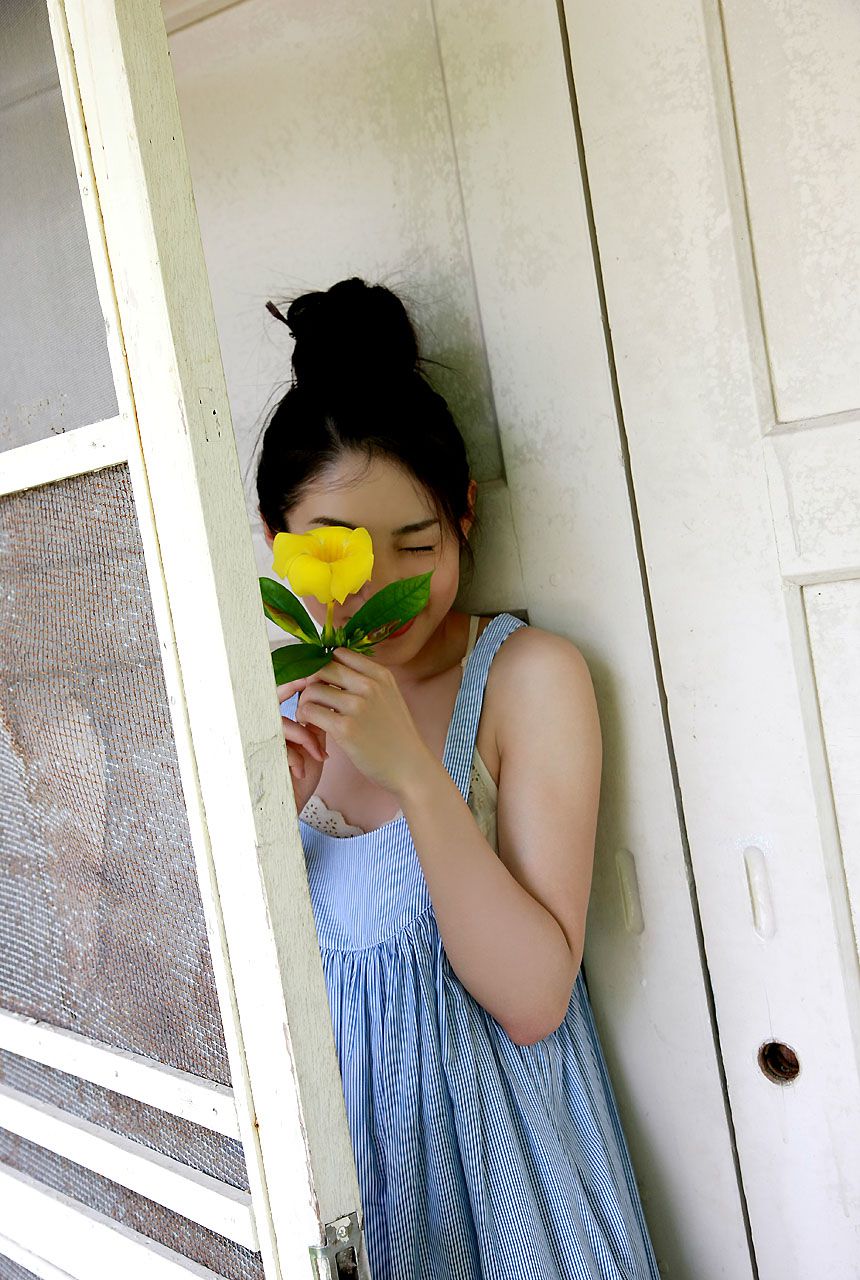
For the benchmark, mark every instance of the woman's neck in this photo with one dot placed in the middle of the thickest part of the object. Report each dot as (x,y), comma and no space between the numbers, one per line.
(443,650)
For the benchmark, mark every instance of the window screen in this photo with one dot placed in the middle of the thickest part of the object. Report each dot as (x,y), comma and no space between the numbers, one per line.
(224,1257)
(101,925)
(191,1144)
(10,1270)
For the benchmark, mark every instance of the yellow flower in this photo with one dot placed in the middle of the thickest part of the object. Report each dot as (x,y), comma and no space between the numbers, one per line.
(329,564)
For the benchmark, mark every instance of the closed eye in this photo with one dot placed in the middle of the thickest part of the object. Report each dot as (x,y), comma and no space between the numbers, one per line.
(419,548)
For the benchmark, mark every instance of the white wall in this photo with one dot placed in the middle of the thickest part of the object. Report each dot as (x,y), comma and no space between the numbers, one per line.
(55,373)
(296,189)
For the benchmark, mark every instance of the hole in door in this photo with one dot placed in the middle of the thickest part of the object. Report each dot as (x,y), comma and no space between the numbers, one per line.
(778,1062)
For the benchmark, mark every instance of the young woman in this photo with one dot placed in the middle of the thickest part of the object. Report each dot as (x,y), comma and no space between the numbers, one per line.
(447,788)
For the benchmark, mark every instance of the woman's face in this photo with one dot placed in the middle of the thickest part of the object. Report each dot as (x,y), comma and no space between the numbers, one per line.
(407,540)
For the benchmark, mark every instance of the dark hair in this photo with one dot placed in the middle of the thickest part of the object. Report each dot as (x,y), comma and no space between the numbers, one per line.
(357,387)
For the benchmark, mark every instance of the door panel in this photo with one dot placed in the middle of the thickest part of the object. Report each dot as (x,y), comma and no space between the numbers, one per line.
(750,542)
(797,111)
(814,489)
(833,617)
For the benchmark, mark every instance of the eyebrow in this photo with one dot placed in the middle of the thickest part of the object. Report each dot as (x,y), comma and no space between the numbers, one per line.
(404,528)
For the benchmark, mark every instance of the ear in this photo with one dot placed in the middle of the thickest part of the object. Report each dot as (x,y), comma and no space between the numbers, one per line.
(471,495)
(270,537)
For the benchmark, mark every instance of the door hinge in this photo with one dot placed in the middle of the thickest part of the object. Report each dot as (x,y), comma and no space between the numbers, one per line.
(342,1257)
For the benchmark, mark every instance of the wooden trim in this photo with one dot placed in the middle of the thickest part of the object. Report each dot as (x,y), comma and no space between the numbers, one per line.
(74,453)
(232,753)
(85,1244)
(195,1195)
(200,1101)
(173,675)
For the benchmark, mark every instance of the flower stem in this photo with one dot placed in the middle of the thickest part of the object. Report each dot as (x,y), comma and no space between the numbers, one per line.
(328,629)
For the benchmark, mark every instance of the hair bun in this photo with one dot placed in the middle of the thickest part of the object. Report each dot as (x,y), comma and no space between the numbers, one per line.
(349,336)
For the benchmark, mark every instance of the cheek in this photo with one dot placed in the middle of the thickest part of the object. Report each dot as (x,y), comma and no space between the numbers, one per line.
(445,581)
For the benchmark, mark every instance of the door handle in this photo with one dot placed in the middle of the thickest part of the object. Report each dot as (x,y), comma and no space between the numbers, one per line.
(758,884)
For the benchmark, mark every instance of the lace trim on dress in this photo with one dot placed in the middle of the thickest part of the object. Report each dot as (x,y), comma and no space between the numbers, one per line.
(483,795)
(316,813)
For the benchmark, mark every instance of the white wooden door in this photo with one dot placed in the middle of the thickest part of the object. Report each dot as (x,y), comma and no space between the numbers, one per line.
(170,1103)
(722,147)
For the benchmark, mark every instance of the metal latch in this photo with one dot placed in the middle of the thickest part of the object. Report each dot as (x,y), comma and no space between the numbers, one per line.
(342,1257)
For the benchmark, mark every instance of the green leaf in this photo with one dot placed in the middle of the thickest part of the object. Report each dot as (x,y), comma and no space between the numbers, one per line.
(380,633)
(397,603)
(286,611)
(292,661)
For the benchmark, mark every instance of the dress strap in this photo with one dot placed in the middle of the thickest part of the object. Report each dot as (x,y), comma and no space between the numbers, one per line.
(473,633)
(463,729)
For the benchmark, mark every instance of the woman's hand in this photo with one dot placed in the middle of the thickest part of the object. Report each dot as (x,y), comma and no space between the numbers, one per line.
(357,701)
(306,749)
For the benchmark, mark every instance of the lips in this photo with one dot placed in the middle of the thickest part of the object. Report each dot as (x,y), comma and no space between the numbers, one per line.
(401,631)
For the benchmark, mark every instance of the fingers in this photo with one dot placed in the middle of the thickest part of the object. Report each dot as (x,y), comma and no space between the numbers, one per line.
(296,763)
(321,717)
(301,735)
(344,677)
(358,662)
(329,695)
(287,690)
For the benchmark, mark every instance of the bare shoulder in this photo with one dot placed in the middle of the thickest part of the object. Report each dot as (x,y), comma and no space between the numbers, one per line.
(544,673)
(540,656)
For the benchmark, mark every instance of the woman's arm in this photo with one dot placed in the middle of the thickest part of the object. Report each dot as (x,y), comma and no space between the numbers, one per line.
(513,925)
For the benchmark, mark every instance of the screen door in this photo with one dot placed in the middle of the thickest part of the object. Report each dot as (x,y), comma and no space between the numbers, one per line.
(170,1102)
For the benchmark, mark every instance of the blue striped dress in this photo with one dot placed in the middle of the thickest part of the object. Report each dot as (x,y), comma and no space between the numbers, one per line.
(477,1158)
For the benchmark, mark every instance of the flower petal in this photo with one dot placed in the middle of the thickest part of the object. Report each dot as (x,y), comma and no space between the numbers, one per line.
(329,563)
(285,548)
(332,541)
(350,574)
(360,544)
(309,576)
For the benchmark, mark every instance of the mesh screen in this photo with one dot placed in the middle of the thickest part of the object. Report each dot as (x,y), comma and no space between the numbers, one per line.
(101,925)
(10,1270)
(55,371)
(206,1247)
(189,1143)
